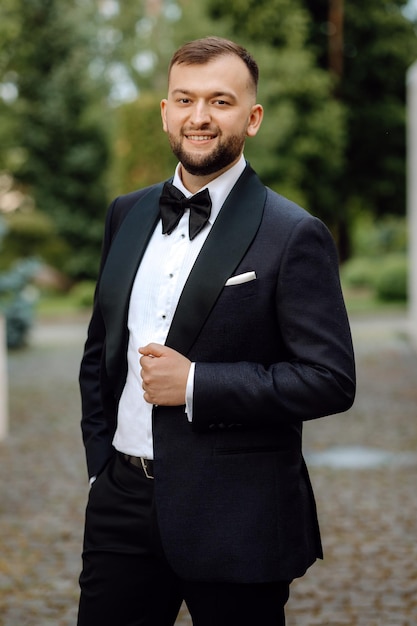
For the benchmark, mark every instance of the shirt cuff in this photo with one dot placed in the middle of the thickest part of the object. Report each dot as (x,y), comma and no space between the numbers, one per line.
(189,393)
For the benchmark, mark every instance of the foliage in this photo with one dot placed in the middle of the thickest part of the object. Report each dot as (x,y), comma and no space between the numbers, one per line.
(17,300)
(136,41)
(59,146)
(82,294)
(386,276)
(32,233)
(392,279)
(134,45)
(379,46)
(141,151)
(374,238)
(360,271)
(380,260)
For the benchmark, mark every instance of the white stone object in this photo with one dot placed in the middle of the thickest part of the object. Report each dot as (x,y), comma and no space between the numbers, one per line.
(412,197)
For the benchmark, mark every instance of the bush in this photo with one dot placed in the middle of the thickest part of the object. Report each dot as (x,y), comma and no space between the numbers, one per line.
(379,262)
(391,282)
(138,123)
(17,300)
(83,294)
(374,238)
(32,233)
(19,320)
(360,272)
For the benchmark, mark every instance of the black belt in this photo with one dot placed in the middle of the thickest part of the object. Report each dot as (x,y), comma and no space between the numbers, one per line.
(138,461)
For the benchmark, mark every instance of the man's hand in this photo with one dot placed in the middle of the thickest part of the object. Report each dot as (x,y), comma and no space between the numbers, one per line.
(164,375)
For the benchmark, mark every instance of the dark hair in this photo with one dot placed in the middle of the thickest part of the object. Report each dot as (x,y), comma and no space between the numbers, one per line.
(202,51)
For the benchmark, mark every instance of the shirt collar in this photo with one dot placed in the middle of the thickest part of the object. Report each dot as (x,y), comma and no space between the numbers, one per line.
(219,188)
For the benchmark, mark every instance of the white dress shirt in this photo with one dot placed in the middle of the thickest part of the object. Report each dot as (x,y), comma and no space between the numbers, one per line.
(159,281)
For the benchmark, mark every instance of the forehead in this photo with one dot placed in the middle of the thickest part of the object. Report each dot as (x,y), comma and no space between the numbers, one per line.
(227,72)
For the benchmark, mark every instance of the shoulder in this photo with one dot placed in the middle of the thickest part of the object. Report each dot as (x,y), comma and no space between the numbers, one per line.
(276,207)
(123,204)
(284,209)
(286,215)
(289,223)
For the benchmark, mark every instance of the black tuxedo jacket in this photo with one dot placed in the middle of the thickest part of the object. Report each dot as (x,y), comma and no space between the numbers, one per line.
(233,497)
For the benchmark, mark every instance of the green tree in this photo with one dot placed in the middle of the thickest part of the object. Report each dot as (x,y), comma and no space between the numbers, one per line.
(9,35)
(136,41)
(147,34)
(376,46)
(60,146)
(141,152)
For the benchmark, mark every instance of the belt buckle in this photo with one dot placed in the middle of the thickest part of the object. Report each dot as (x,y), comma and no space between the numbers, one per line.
(145,468)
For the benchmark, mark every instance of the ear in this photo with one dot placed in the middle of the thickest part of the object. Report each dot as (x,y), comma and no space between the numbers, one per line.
(255,120)
(164,114)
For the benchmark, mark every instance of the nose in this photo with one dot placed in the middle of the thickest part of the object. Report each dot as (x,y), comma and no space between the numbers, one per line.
(200,114)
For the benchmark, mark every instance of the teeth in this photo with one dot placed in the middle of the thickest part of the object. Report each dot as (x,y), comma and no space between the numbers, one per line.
(198,138)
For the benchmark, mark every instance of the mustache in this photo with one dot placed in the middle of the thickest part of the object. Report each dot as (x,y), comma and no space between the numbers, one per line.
(210,131)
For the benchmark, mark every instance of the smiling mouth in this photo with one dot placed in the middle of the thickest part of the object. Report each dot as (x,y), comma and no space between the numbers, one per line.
(198,138)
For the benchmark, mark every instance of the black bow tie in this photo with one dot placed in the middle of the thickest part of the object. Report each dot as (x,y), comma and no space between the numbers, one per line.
(173,203)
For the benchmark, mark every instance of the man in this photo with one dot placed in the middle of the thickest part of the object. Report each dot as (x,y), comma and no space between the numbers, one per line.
(209,344)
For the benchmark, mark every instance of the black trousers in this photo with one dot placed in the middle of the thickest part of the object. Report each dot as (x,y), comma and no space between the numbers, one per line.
(126,580)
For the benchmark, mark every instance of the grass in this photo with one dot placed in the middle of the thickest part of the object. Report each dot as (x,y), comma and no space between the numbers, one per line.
(58,305)
(363,301)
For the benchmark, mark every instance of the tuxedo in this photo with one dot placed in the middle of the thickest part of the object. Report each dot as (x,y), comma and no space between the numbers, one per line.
(263,318)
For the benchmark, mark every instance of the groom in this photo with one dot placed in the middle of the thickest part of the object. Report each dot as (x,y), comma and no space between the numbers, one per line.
(218,328)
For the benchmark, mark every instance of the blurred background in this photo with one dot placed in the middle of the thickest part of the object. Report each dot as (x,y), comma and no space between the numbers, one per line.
(80,85)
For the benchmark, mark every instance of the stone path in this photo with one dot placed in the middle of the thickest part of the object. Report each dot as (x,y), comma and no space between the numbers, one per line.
(362,464)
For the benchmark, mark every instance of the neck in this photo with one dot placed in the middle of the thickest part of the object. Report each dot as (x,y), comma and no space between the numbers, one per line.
(195,183)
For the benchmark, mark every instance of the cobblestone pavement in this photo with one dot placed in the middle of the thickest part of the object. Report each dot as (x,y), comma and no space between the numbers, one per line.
(363,465)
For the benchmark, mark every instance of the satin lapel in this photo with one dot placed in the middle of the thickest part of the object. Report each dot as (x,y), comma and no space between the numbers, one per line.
(120,270)
(231,235)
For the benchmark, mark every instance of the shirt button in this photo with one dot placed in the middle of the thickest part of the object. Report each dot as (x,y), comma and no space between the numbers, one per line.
(171,275)
(164,317)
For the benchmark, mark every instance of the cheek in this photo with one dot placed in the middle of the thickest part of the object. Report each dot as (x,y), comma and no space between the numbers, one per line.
(233,125)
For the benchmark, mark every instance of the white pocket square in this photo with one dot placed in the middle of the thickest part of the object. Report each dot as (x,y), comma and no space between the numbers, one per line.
(240,278)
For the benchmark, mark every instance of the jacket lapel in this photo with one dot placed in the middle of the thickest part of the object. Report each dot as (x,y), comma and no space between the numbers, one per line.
(228,241)
(119,272)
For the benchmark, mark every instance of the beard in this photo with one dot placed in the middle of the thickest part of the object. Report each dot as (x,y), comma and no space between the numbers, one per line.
(223,155)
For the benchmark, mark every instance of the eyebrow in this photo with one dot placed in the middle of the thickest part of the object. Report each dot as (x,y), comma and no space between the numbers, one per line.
(215,94)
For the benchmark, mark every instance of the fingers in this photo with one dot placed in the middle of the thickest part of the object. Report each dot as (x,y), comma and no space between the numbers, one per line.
(153,349)
(146,387)
(149,353)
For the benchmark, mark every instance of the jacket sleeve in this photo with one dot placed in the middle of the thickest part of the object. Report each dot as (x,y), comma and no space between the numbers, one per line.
(97,435)
(315,374)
